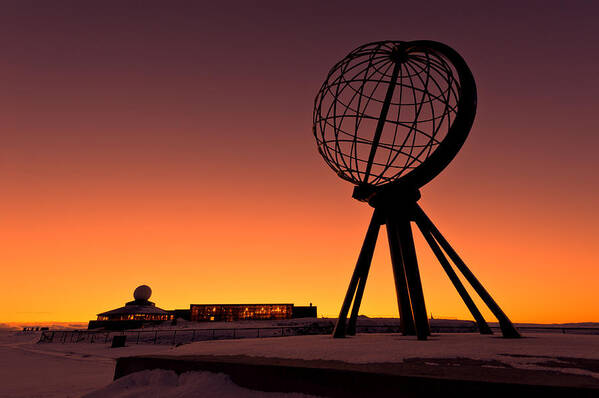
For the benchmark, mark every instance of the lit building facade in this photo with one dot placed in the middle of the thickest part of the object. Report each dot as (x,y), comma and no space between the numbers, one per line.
(238,312)
(140,316)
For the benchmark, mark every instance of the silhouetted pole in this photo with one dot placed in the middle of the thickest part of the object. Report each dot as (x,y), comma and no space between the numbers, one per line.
(410,261)
(351,326)
(483,327)
(401,286)
(360,272)
(507,328)
(363,266)
(353,318)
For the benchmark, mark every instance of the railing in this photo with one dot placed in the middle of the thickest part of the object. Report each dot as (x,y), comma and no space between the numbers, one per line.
(473,329)
(554,329)
(178,336)
(185,336)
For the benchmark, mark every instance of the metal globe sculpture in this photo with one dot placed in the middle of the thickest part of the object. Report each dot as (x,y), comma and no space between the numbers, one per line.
(394,111)
(389,117)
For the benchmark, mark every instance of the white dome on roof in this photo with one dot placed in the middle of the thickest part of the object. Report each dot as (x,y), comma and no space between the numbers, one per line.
(142,292)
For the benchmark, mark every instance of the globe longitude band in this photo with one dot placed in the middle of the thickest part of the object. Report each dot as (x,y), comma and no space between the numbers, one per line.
(389,118)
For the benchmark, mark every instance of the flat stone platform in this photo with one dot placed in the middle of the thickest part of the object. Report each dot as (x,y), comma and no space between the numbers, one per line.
(392,365)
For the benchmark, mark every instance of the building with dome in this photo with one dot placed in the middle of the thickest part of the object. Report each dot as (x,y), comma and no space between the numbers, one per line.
(139,312)
(134,314)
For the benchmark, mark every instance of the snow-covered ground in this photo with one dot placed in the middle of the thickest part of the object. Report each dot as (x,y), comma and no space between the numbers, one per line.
(29,369)
(526,353)
(32,370)
(26,371)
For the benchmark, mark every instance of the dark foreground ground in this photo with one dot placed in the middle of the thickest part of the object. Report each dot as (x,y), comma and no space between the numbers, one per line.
(414,377)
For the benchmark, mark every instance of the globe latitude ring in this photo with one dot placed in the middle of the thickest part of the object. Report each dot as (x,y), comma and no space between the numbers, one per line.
(394,114)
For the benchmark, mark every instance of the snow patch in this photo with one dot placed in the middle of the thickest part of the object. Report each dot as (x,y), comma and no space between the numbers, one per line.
(166,383)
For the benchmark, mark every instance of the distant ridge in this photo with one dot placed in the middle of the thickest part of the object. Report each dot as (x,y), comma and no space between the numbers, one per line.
(51,325)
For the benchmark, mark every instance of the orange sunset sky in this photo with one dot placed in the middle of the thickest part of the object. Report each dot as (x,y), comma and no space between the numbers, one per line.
(170,144)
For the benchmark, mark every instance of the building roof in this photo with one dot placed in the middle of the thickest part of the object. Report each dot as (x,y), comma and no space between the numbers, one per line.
(141,304)
(130,309)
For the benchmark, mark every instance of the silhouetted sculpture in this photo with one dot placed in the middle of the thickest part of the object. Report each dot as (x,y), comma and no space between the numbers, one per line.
(389,117)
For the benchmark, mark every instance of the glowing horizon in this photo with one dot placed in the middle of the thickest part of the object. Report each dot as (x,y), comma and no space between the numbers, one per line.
(158,146)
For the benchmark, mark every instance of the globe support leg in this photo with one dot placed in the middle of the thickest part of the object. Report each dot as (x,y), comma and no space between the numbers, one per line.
(483,327)
(507,328)
(353,318)
(401,286)
(408,254)
(360,273)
